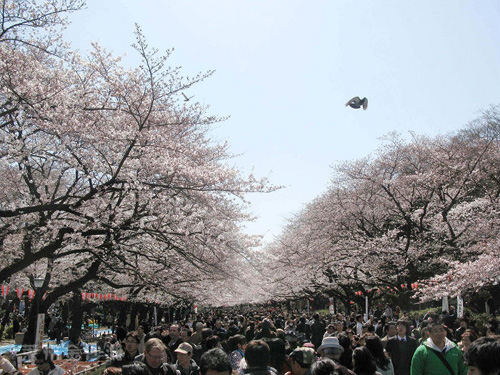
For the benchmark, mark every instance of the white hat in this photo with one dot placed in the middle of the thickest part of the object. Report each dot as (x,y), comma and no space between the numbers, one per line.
(330,342)
(184,348)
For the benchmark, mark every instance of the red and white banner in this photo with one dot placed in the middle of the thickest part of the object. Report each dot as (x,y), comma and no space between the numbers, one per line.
(103,297)
(5,290)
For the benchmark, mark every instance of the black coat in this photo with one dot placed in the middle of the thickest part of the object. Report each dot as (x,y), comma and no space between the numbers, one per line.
(164,369)
(401,353)
(122,360)
(194,369)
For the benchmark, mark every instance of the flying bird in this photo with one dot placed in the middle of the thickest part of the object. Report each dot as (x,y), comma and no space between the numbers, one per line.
(357,103)
(186,99)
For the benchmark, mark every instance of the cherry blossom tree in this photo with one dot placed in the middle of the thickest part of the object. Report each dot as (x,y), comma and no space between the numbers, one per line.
(108,176)
(474,221)
(415,210)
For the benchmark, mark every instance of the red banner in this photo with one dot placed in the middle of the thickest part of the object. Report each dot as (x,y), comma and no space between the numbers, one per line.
(103,297)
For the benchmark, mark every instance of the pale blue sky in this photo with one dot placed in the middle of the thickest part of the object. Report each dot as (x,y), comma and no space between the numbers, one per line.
(285,68)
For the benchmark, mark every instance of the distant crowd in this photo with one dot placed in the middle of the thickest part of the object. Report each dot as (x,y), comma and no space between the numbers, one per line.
(279,343)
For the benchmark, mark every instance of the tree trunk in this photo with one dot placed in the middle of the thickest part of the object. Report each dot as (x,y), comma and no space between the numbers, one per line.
(133,314)
(122,317)
(143,314)
(76,315)
(347,307)
(171,314)
(30,335)
(5,318)
(159,312)
(404,301)
(65,312)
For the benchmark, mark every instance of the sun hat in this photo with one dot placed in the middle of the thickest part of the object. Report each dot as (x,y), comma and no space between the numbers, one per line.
(330,342)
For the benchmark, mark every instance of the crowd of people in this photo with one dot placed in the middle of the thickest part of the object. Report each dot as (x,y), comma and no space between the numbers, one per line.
(277,343)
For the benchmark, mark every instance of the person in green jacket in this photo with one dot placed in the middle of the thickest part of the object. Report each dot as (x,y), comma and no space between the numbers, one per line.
(429,357)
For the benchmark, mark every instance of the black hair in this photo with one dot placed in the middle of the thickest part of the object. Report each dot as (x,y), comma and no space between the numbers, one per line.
(388,324)
(324,367)
(215,359)
(364,363)
(490,327)
(136,368)
(405,323)
(134,335)
(188,330)
(369,327)
(374,345)
(257,354)
(212,341)
(484,353)
(235,340)
(206,333)
(494,323)
(44,355)
(277,348)
(346,356)
(434,323)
